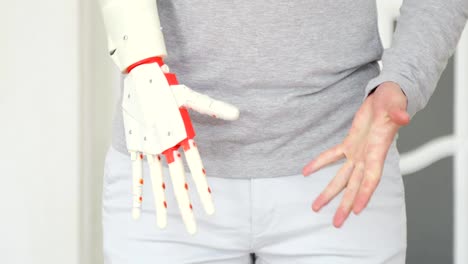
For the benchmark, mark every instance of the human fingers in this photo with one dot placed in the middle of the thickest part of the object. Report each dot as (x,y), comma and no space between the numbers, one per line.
(375,159)
(334,187)
(325,158)
(399,116)
(351,190)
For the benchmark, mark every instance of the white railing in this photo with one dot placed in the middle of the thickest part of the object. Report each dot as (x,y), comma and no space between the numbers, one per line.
(438,148)
(461,152)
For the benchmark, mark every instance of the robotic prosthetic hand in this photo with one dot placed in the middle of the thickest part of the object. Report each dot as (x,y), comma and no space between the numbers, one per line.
(154,108)
(157,122)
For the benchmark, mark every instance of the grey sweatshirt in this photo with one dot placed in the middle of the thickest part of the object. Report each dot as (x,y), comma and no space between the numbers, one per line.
(298,70)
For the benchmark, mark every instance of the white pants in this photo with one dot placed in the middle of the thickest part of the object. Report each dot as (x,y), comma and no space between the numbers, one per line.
(271,217)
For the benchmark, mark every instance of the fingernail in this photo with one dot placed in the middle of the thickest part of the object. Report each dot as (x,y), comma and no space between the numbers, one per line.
(315,207)
(306,171)
(317,204)
(339,218)
(358,207)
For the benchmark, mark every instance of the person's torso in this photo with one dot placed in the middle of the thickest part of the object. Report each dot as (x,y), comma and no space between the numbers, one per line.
(297,70)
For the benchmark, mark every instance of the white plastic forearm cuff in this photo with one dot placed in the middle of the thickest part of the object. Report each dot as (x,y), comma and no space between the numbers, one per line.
(133,31)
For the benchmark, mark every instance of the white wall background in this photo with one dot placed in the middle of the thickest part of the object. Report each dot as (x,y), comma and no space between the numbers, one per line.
(100,80)
(56,100)
(39,113)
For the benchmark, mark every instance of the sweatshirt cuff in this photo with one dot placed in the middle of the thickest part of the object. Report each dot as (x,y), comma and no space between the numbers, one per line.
(415,99)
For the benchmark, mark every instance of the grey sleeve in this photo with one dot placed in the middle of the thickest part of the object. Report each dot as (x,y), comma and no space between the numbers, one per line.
(426,36)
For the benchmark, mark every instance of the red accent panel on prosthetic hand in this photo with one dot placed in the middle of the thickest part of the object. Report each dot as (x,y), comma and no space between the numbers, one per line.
(185,144)
(172,80)
(187,123)
(157,60)
(168,153)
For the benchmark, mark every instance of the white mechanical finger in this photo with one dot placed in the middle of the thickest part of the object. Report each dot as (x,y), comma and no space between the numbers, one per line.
(154,162)
(176,169)
(199,176)
(137,183)
(204,104)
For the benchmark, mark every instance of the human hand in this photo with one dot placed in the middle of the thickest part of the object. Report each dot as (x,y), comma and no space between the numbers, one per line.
(365,148)
(157,124)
